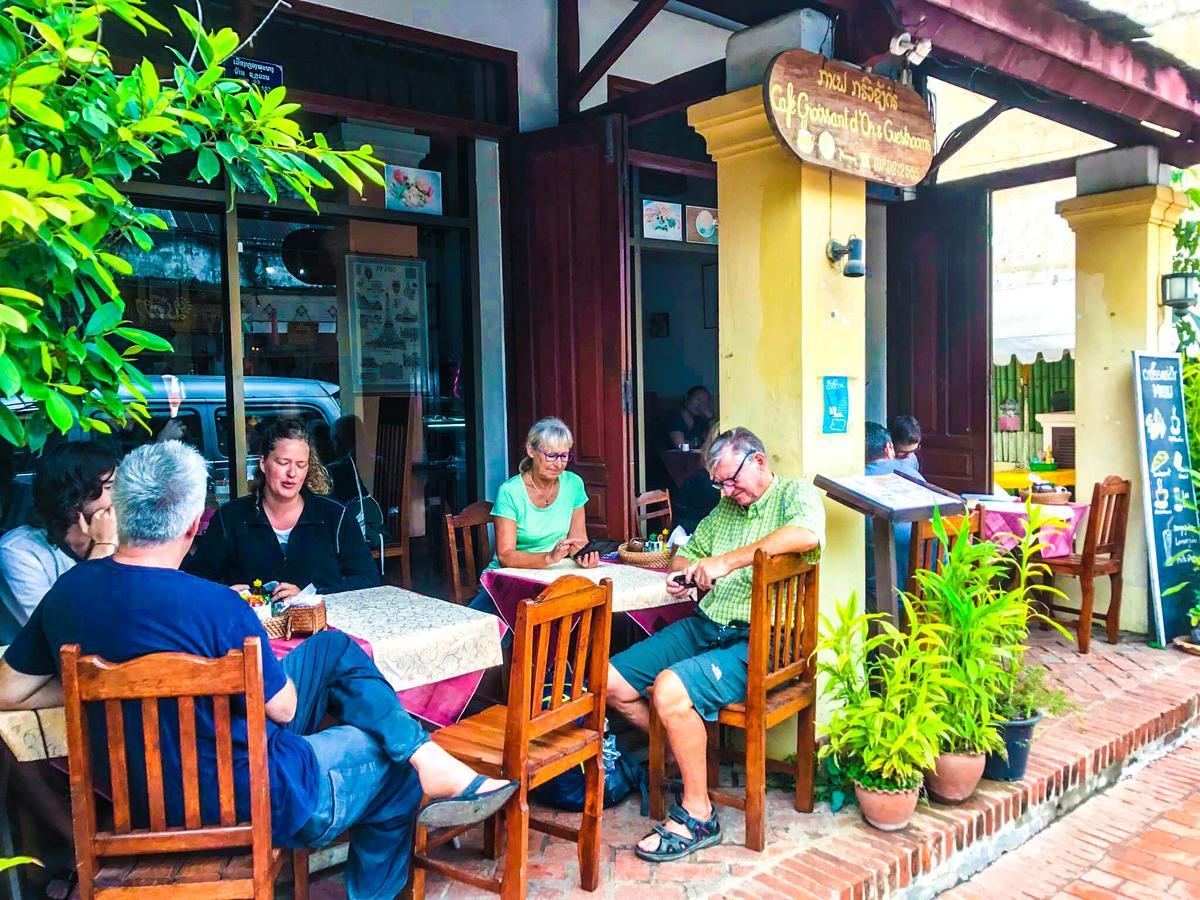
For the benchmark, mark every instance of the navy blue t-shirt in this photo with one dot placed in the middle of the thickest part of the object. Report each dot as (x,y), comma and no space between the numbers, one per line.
(121,612)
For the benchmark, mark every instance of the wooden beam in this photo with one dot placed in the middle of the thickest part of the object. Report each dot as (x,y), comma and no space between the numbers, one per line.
(610,51)
(961,136)
(568,56)
(1019,176)
(660,162)
(678,92)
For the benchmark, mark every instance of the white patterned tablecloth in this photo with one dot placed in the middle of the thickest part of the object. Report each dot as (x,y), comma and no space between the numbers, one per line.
(633,588)
(416,640)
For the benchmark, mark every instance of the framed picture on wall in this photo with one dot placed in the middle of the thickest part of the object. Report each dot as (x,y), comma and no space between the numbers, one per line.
(709,291)
(662,221)
(389,332)
(702,225)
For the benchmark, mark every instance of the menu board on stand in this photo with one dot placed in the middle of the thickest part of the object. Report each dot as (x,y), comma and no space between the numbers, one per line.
(1169,499)
(887,500)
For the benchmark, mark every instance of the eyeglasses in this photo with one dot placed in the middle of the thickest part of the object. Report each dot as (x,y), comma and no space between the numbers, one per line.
(723,483)
(905,454)
(566,456)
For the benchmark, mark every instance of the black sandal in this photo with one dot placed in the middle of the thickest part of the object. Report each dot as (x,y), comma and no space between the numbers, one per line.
(676,846)
(467,808)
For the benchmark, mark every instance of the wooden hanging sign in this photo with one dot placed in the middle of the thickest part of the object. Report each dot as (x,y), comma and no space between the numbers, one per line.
(831,114)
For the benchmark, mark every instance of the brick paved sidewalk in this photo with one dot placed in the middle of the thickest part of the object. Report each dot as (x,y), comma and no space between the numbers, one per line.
(1139,839)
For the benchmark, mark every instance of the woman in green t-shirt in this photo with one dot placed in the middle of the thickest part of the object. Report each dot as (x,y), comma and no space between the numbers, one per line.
(538,514)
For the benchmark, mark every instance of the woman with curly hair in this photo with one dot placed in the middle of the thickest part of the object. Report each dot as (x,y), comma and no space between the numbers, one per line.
(286,530)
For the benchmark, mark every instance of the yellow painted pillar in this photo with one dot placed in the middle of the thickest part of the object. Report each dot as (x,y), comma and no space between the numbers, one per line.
(788,317)
(1123,245)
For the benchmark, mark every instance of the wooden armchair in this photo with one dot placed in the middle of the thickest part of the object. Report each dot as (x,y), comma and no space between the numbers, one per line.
(1103,554)
(535,737)
(396,441)
(476,550)
(924,548)
(230,859)
(781,684)
(652,506)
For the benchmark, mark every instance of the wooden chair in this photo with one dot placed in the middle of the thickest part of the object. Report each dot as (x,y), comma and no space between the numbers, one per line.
(924,548)
(395,447)
(231,859)
(475,546)
(782,684)
(1103,554)
(652,506)
(535,737)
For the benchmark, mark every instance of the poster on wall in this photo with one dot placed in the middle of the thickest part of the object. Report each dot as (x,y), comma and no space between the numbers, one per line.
(413,190)
(702,225)
(1168,498)
(662,221)
(836,417)
(389,331)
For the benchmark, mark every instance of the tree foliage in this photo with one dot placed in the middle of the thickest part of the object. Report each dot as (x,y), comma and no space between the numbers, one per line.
(73,133)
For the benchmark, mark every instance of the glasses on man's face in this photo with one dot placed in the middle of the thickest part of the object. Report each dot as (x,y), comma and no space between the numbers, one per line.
(905,454)
(565,457)
(723,483)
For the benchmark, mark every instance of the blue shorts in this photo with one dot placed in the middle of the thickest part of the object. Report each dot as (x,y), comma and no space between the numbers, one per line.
(709,659)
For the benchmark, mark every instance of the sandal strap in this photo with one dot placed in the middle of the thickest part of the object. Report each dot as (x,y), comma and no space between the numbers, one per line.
(698,828)
(669,841)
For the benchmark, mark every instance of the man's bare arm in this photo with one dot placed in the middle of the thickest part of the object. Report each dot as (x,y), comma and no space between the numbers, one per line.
(21,691)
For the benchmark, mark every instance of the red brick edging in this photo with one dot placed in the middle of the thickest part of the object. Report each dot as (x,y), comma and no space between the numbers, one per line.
(1071,759)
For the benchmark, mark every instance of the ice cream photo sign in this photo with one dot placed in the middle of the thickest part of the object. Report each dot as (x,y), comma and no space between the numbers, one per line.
(833,115)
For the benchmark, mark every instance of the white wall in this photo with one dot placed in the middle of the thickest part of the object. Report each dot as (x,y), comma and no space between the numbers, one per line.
(670,45)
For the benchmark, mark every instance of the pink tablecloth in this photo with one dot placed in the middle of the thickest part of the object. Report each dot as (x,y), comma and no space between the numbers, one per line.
(440,704)
(1005,524)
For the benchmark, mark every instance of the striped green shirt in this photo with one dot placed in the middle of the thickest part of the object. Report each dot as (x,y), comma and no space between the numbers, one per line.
(730,526)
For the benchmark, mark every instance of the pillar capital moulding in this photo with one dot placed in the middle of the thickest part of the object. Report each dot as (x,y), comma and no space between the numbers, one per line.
(1151,204)
(735,124)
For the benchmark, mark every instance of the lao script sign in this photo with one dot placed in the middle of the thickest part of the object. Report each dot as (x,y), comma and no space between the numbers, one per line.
(834,115)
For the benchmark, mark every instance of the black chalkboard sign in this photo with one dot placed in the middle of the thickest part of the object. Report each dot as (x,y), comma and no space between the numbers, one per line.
(266,75)
(1168,496)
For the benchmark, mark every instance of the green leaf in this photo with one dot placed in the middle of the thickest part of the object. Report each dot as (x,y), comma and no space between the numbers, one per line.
(20,294)
(38,76)
(10,377)
(12,318)
(12,431)
(61,413)
(144,339)
(104,319)
(207,164)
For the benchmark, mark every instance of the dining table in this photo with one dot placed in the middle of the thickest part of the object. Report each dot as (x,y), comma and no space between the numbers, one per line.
(1006,521)
(638,592)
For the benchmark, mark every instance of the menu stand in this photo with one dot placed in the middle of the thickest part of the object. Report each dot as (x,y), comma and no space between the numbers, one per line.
(888,500)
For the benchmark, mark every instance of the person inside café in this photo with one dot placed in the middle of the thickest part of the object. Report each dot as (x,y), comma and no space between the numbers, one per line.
(538,515)
(881,460)
(366,774)
(72,505)
(699,664)
(906,439)
(285,530)
(690,425)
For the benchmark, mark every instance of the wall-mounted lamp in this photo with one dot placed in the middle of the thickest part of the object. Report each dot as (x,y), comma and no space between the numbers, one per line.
(853,252)
(1180,291)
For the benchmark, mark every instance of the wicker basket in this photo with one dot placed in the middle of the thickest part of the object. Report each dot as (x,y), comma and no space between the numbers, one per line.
(1050,498)
(656,560)
(306,619)
(276,627)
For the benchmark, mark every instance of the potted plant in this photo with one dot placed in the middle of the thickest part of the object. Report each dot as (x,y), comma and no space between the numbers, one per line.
(888,690)
(982,595)
(1020,710)
(1193,615)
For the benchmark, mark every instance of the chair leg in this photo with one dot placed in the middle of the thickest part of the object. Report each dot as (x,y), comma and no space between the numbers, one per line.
(416,876)
(658,766)
(493,836)
(756,788)
(1113,622)
(806,753)
(713,754)
(1087,592)
(1047,603)
(514,881)
(300,874)
(589,827)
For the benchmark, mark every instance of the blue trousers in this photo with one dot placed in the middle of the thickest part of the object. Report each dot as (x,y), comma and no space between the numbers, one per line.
(367,786)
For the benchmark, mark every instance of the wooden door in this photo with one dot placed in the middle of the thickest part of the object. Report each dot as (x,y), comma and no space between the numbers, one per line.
(569,328)
(939,340)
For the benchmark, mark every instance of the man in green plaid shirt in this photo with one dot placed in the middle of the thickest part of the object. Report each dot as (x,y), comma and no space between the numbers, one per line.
(698,665)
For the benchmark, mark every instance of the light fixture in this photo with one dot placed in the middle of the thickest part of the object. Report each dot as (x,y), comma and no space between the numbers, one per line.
(853,253)
(912,50)
(1180,290)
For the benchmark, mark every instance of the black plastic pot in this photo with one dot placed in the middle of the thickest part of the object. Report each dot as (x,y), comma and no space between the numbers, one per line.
(1017,737)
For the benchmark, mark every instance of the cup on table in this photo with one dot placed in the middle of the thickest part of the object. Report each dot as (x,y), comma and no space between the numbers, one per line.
(685,447)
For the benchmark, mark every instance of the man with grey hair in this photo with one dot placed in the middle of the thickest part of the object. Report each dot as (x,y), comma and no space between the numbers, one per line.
(699,664)
(366,774)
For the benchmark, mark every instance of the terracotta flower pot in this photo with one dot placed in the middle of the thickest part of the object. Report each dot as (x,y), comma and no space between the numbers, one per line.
(954,777)
(886,810)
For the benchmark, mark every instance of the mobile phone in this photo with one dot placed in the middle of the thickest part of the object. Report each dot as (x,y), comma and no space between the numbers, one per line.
(601,547)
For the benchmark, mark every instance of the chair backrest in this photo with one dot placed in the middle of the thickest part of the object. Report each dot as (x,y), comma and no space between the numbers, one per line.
(1108,518)
(151,679)
(467,533)
(397,433)
(783,622)
(559,663)
(653,506)
(925,550)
